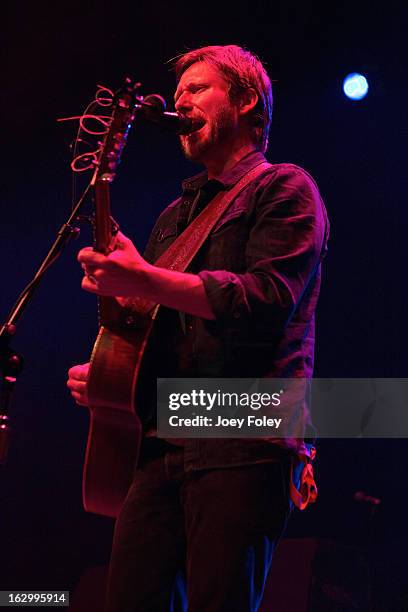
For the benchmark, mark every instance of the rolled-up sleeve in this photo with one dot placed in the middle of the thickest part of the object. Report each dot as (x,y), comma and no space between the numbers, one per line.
(285,245)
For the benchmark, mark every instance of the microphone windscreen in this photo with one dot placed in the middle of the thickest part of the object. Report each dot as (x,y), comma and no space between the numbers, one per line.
(157,102)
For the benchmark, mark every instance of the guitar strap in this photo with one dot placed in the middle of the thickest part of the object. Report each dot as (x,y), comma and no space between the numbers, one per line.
(182,251)
(184,248)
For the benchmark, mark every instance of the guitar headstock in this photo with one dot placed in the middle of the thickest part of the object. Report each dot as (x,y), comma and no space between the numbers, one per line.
(115,139)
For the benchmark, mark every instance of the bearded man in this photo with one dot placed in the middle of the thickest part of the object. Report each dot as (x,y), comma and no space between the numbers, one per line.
(202,517)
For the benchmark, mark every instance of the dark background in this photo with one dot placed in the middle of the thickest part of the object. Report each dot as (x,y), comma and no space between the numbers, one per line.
(53,58)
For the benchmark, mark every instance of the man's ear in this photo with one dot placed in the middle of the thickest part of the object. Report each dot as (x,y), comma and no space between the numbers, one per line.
(247,101)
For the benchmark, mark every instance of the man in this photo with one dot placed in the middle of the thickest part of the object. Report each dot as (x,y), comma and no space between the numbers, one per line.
(206,514)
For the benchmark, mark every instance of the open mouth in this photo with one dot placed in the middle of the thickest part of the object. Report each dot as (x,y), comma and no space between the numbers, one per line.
(197,124)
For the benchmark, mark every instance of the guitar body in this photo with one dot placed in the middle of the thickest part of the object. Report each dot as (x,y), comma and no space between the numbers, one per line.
(115,429)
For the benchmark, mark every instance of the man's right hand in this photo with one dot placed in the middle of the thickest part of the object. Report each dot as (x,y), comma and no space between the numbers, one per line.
(77,383)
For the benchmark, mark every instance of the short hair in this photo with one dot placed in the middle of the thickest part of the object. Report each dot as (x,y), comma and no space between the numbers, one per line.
(242,70)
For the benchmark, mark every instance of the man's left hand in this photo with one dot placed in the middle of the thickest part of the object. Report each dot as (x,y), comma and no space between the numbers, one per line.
(119,273)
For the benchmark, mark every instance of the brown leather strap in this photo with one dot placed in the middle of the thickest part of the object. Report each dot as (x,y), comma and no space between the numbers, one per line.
(182,251)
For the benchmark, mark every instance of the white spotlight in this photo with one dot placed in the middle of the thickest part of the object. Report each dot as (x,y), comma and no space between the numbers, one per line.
(355,86)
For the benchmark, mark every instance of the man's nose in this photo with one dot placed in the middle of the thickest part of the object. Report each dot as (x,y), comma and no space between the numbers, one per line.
(184,103)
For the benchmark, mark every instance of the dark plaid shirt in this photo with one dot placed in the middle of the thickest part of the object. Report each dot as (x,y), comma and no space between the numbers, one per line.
(261,268)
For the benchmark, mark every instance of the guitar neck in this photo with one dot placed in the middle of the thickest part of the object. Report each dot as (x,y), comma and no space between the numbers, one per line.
(114,142)
(102,231)
(107,306)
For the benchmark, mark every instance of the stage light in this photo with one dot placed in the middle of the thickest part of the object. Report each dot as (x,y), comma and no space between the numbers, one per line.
(355,86)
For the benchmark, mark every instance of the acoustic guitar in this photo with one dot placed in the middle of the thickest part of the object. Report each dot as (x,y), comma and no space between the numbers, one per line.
(115,429)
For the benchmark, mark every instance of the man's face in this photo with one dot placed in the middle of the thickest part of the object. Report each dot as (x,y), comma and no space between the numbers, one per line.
(202,95)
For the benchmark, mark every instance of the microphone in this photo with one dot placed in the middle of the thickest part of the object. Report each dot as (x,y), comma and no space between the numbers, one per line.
(153,109)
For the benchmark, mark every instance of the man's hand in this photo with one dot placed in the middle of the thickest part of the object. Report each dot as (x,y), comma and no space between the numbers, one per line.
(77,383)
(118,274)
(124,273)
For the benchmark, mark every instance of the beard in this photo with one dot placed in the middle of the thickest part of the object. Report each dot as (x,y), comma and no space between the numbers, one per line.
(198,146)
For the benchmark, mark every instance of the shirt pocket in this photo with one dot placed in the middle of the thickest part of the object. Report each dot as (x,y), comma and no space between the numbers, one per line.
(231,215)
(164,233)
(227,242)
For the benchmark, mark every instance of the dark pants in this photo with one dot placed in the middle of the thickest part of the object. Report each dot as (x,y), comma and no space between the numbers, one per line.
(207,535)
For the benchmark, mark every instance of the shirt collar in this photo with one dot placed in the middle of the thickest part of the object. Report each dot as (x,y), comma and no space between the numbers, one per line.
(229,178)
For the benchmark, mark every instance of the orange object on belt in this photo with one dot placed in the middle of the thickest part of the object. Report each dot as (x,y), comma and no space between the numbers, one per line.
(306,492)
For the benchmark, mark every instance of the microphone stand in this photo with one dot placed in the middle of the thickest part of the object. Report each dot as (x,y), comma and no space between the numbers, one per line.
(11,362)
